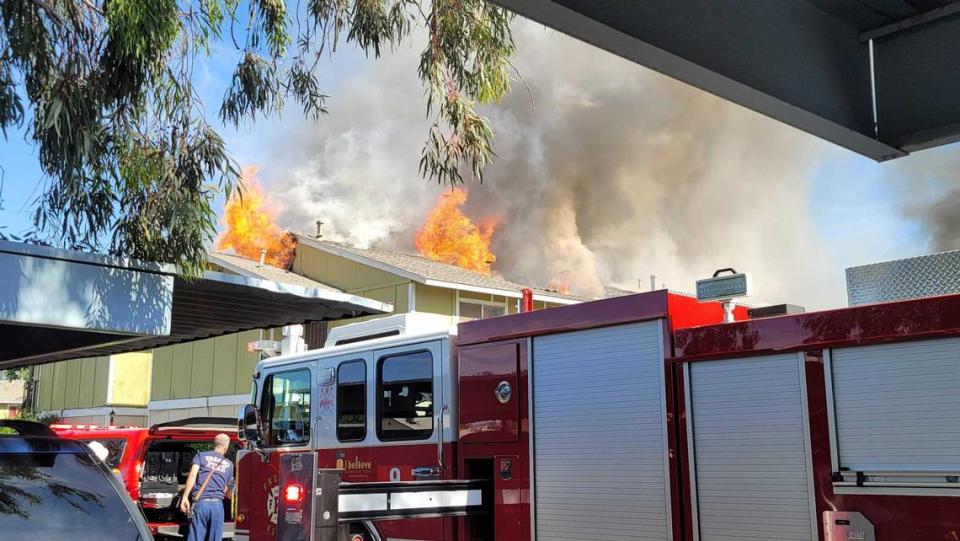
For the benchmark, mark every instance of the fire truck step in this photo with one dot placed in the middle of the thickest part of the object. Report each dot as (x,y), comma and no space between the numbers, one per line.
(410,499)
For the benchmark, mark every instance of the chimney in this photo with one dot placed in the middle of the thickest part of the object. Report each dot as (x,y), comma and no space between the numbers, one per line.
(263,257)
(319,227)
(653,282)
(527,305)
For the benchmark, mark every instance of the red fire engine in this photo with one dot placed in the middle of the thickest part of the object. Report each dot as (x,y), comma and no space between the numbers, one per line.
(640,417)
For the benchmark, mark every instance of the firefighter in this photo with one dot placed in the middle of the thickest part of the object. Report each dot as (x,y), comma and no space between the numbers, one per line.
(203,504)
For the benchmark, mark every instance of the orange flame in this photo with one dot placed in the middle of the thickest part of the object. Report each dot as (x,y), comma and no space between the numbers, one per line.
(449,236)
(559,284)
(249,226)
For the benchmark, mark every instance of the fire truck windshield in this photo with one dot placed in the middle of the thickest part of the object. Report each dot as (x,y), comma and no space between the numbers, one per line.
(286,408)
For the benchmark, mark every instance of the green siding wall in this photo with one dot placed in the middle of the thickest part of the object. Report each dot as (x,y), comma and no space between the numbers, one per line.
(201,370)
(339,272)
(182,359)
(71,397)
(246,362)
(475,295)
(44,375)
(436,300)
(161,373)
(101,380)
(224,360)
(59,385)
(354,278)
(213,367)
(88,374)
(77,383)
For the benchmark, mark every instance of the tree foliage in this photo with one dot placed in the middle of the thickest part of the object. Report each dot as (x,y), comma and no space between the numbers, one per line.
(28,377)
(132,164)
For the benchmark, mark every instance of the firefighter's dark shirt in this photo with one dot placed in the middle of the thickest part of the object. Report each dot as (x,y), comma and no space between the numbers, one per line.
(222,470)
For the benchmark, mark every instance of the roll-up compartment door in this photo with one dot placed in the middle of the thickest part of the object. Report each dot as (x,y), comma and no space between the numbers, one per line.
(750,452)
(897,406)
(598,425)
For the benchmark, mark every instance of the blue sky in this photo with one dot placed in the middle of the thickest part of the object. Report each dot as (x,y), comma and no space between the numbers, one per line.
(856,205)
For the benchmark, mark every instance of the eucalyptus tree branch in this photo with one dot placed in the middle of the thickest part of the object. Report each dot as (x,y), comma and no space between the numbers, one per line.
(131,165)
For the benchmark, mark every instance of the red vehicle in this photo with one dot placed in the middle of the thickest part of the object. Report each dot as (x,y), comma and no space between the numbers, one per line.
(640,417)
(153,463)
(390,409)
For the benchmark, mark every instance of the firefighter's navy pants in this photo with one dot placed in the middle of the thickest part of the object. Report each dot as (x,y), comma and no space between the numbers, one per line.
(207,522)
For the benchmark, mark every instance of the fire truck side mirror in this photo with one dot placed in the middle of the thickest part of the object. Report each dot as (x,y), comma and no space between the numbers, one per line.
(250,426)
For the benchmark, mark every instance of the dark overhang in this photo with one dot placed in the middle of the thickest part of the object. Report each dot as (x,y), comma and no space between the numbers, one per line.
(58,304)
(823,66)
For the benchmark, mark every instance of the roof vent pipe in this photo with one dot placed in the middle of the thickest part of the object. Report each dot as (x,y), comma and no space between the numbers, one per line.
(263,257)
(319,227)
(527,305)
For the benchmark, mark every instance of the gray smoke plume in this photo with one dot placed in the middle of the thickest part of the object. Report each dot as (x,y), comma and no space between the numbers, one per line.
(927,183)
(942,219)
(605,172)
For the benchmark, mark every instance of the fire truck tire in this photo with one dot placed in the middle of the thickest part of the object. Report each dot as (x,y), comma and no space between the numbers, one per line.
(366,529)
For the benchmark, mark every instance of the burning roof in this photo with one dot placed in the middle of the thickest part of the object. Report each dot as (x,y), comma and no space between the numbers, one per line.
(427,271)
(455,251)
(250,229)
(449,236)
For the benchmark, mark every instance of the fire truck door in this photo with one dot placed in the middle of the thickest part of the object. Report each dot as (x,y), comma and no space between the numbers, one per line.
(345,436)
(412,419)
(287,403)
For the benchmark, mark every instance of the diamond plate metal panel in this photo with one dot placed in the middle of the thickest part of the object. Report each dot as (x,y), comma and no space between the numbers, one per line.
(916,277)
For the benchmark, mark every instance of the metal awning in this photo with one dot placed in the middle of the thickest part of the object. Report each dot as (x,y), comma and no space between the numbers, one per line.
(878,77)
(60,304)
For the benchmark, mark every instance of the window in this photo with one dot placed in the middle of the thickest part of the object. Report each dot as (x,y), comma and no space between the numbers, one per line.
(352,401)
(472,309)
(286,408)
(63,496)
(405,409)
(114,448)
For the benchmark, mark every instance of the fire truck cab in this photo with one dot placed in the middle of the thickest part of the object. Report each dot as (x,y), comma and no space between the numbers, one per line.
(377,404)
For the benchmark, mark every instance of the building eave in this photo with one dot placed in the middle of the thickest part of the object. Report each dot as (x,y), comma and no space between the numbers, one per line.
(58,305)
(220,262)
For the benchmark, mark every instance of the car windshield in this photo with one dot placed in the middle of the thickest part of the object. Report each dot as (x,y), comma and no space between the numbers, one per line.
(61,497)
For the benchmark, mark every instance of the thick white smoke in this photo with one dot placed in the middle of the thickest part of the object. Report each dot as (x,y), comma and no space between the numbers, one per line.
(606,174)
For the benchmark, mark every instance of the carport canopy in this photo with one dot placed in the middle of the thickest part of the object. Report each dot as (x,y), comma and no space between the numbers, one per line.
(60,304)
(879,77)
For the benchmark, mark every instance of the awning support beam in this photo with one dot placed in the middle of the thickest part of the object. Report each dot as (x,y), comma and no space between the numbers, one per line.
(911,22)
